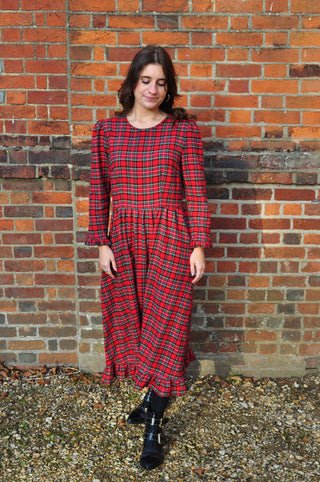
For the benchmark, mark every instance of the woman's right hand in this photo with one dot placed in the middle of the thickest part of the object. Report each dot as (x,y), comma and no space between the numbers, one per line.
(107,260)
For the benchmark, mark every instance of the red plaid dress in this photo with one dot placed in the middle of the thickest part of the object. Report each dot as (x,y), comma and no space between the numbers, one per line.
(146,310)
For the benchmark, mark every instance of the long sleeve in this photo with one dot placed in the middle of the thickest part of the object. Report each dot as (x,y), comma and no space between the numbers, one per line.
(195,189)
(99,198)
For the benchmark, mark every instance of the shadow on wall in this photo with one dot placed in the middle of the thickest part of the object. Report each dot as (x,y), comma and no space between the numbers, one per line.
(256,312)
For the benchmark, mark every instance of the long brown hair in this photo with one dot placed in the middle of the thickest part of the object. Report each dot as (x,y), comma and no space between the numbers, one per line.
(152,54)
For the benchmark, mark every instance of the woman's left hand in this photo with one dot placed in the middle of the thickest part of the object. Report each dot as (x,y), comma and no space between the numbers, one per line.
(197,264)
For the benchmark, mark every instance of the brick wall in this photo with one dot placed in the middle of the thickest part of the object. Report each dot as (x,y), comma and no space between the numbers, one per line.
(249,70)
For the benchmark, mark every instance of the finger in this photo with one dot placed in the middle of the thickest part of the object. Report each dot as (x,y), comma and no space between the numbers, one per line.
(198,275)
(107,269)
(109,273)
(114,265)
(196,279)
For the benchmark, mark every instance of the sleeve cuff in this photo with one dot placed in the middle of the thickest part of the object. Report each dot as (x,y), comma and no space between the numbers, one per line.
(94,241)
(200,243)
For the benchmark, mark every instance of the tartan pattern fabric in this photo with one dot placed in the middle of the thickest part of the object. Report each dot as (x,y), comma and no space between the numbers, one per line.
(147,308)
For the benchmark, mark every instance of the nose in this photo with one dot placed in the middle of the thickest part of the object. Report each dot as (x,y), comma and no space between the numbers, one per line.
(153,88)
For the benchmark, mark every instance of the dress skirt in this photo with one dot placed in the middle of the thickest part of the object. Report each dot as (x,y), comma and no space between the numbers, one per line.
(147,307)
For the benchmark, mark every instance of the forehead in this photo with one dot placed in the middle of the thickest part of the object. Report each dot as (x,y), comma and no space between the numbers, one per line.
(154,71)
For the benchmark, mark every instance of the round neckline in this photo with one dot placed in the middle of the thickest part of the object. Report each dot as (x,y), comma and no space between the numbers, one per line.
(146,128)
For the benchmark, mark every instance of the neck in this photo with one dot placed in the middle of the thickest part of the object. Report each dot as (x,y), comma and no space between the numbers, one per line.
(144,115)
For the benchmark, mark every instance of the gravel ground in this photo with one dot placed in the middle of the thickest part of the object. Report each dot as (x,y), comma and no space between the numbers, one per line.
(62,425)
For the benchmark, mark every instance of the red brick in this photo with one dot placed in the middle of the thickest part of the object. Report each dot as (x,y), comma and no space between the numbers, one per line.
(56,19)
(202,85)
(285,252)
(243,252)
(306,224)
(275,70)
(6,224)
(49,127)
(11,35)
(260,336)
(262,224)
(277,117)
(233,308)
(53,97)
(39,5)
(275,55)
(267,349)
(204,22)
(239,23)
(56,51)
(94,6)
(205,54)
(305,39)
(53,252)
(30,345)
(238,54)
(165,38)
(46,66)
(280,6)
(54,279)
(227,223)
(99,69)
(22,238)
(51,198)
(303,102)
(309,132)
(249,238)
(275,86)
(312,239)
(57,331)
(238,131)
(24,292)
(94,37)
(54,224)
(58,358)
(272,178)
(165,6)
(15,19)
(80,21)
(245,6)
(223,267)
(234,101)
(251,194)
(9,4)
(230,70)
(276,39)
(276,22)
(239,38)
(128,38)
(127,21)
(309,349)
(17,51)
(13,66)
(24,265)
(294,195)
(128,5)
(44,35)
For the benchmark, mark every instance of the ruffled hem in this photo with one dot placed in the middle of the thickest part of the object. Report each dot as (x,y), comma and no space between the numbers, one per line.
(200,243)
(164,387)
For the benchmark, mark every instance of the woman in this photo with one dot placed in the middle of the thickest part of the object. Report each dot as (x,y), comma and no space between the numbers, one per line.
(148,158)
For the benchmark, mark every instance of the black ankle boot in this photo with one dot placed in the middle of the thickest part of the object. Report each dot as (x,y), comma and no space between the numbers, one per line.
(152,455)
(138,415)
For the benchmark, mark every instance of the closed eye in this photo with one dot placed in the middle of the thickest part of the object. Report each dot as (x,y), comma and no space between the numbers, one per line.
(147,80)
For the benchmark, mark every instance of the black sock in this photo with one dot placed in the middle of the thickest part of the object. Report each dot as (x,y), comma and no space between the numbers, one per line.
(157,403)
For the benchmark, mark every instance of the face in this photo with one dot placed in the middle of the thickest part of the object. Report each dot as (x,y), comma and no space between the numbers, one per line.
(151,89)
